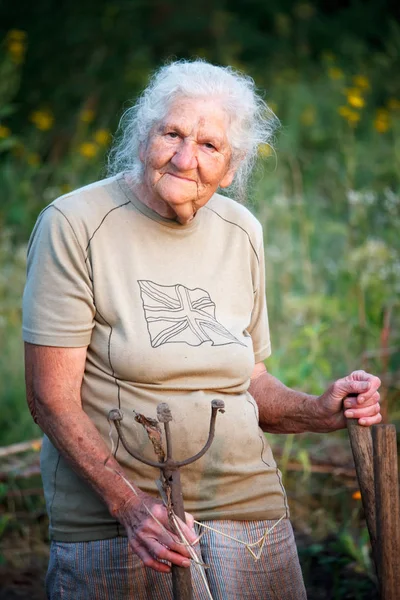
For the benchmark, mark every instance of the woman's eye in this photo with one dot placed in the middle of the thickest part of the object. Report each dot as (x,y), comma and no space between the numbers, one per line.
(172,134)
(209,145)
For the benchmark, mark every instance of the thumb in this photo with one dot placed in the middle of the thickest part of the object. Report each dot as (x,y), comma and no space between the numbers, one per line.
(343,387)
(189,520)
(359,375)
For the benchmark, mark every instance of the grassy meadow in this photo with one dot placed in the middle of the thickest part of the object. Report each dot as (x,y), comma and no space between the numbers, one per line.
(328,196)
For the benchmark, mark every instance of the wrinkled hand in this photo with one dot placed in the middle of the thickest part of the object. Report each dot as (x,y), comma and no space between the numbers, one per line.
(359,390)
(149,540)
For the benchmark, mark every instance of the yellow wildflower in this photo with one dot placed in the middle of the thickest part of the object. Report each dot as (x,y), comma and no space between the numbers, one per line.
(16,34)
(354,98)
(335,73)
(33,159)
(264,150)
(361,81)
(304,10)
(393,104)
(356,101)
(102,137)
(5,132)
(42,119)
(87,115)
(351,116)
(382,121)
(16,45)
(307,117)
(356,495)
(328,57)
(16,50)
(88,149)
(344,111)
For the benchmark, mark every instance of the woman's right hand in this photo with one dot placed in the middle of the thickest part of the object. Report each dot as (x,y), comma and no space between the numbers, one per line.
(148,539)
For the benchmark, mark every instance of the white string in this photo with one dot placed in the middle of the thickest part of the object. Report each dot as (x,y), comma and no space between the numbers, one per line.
(112,442)
(248,546)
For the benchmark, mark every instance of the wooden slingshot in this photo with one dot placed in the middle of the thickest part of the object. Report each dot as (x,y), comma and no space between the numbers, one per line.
(170,476)
(375,457)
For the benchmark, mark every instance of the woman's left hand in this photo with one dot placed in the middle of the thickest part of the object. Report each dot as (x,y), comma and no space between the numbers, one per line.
(358,394)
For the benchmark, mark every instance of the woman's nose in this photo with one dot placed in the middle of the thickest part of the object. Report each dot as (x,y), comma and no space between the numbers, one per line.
(185,157)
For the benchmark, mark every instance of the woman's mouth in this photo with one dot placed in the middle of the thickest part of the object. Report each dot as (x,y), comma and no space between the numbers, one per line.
(182,177)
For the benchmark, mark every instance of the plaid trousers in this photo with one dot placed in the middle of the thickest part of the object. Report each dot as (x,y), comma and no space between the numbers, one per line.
(108,570)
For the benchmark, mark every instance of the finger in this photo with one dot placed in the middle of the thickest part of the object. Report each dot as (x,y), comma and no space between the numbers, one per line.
(151,533)
(152,528)
(367,397)
(159,551)
(188,528)
(373,380)
(361,375)
(365,411)
(148,560)
(368,421)
(362,400)
(157,525)
(189,520)
(175,544)
(346,386)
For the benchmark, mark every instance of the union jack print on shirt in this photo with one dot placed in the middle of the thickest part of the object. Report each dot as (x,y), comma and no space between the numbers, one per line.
(177,314)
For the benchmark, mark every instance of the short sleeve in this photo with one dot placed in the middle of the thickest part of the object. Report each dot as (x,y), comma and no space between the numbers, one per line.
(259,326)
(58,305)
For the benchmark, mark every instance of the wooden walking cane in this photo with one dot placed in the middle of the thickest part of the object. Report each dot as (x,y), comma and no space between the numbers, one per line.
(375,457)
(362,448)
(170,476)
(387,509)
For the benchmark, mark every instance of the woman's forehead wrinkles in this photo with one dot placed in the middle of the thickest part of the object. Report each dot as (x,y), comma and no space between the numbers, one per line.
(185,126)
(205,129)
(177,123)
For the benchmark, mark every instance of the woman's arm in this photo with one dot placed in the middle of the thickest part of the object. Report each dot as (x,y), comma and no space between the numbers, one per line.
(283,410)
(53,384)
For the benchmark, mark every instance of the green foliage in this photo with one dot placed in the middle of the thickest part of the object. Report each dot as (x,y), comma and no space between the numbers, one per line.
(331,213)
(342,562)
(15,421)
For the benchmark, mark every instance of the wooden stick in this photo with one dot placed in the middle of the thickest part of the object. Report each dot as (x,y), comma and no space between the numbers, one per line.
(387,509)
(181,577)
(20,447)
(361,445)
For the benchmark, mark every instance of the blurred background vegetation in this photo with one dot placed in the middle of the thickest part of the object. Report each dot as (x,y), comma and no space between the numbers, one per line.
(328,198)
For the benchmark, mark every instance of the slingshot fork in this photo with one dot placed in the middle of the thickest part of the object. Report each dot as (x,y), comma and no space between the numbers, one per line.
(170,478)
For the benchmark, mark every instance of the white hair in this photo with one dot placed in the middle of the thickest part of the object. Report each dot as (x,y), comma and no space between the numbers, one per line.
(251,121)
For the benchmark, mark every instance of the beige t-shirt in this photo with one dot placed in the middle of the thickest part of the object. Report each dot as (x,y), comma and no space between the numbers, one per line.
(169,313)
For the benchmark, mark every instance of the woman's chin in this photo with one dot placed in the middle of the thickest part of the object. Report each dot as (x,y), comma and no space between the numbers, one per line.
(184,212)
(184,220)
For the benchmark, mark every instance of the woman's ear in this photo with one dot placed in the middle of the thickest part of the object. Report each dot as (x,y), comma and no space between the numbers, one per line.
(227,178)
(230,174)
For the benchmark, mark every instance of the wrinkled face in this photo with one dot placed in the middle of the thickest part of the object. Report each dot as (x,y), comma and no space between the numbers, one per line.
(187,157)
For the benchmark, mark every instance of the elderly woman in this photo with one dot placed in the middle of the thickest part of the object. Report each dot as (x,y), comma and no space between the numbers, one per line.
(149,287)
